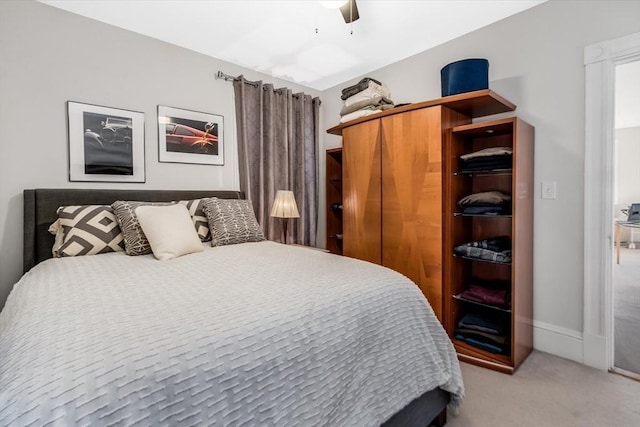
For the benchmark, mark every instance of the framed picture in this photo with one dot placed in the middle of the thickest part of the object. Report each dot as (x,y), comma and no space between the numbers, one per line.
(190,137)
(105,144)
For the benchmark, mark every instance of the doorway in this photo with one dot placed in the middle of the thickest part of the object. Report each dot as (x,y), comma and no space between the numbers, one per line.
(626,193)
(601,60)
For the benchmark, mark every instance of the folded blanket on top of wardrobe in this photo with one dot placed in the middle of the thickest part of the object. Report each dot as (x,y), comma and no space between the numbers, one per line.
(375,101)
(366,111)
(372,91)
(358,87)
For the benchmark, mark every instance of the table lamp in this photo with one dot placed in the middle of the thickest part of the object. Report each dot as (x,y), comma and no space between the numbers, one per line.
(284,206)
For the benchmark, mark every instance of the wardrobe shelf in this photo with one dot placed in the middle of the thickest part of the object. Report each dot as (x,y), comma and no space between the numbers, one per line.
(482,215)
(480,260)
(473,351)
(334,224)
(484,172)
(480,304)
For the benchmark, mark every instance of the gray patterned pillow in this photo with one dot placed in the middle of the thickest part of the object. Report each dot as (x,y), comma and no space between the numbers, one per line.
(232,221)
(196,210)
(135,242)
(89,230)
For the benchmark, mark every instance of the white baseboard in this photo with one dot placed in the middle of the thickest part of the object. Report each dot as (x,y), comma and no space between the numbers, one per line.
(558,341)
(595,351)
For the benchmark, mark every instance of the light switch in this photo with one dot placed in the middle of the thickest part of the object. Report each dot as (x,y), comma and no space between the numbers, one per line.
(548,189)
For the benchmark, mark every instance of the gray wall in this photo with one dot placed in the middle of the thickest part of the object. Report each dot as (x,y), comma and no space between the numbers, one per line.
(49,56)
(536,61)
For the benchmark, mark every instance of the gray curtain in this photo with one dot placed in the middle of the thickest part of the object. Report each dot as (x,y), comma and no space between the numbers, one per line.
(278,150)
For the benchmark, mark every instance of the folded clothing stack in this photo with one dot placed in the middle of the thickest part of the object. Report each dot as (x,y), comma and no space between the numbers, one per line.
(491,292)
(496,249)
(487,159)
(486,203)
(366,97)
(483,331)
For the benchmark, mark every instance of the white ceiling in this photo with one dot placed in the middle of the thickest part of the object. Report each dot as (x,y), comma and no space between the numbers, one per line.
(279,38)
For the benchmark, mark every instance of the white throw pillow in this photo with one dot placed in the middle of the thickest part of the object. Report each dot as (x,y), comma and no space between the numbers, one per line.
(169,230)
(56,230)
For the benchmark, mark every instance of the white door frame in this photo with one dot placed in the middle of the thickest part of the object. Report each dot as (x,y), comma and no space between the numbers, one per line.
(600,61)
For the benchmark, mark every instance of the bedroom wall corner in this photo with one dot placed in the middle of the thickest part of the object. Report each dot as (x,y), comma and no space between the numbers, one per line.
(49,56)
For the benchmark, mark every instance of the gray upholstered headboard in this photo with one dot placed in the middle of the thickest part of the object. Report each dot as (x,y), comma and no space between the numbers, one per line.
(40,206)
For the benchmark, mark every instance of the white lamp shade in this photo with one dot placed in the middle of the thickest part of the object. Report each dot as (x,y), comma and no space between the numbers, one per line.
(284,206)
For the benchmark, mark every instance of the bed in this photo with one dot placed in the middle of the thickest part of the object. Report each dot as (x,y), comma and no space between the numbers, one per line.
(249,334)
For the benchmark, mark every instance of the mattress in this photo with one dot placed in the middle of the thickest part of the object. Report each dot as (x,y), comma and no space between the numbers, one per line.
(248,334)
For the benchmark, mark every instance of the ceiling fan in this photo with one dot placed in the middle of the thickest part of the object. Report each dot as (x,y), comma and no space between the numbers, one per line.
(350,11)
(348,8)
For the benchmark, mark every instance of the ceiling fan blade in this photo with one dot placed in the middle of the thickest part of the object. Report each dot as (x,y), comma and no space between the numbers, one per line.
(350,11)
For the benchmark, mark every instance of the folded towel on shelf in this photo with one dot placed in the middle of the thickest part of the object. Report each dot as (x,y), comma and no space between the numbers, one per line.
(358,87)
(372,91)
(367,111)
(375,101)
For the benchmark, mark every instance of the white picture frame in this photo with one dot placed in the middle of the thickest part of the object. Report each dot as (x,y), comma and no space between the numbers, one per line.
(105,144)
(186,136)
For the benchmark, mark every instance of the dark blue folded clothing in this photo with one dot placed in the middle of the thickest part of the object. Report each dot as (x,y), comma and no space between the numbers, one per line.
(482,345)
(500,340)
(485,210)
(488,163)
(482,323)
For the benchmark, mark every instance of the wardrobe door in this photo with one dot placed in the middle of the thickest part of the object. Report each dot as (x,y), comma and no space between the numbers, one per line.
(361,191)
(412,194)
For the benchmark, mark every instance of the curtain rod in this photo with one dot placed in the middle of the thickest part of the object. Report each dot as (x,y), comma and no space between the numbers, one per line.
(230,78)
(224,76)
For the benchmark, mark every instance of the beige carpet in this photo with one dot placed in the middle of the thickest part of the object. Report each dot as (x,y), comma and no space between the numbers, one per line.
(547,391)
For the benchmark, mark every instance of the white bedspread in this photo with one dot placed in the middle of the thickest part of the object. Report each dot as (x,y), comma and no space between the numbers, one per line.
(256,334)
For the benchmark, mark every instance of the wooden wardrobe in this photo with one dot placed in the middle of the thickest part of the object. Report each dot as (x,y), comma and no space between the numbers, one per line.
(392,185)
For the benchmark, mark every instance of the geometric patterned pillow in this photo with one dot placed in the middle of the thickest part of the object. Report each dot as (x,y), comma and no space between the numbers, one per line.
(232,221)
(196,210)
(135,242)
(89,230)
